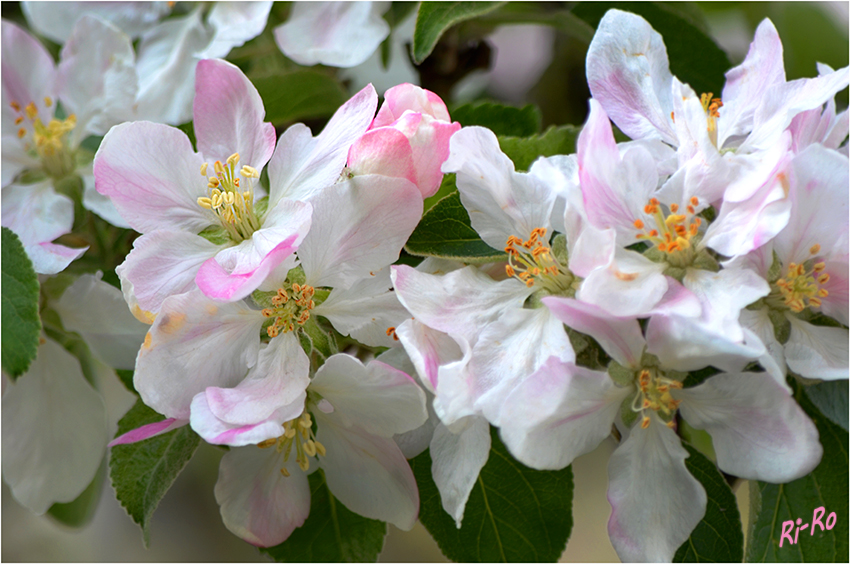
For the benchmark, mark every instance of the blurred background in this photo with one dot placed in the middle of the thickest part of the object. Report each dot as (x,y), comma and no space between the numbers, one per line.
(514,64)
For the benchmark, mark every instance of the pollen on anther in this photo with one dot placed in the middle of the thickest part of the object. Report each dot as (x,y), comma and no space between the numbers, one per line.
(21,133)
(638,224)
(644,423)
(204,169)
(815,249)
(19,120)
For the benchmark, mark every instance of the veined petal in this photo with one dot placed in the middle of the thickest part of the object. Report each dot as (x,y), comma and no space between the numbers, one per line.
(655,502)
(366,311)
(500,201)
(511,349)
(559,413)
(337,34)
(835,304)
(96,77)
(628,72)
(758,430)
(460,302)
(747,84)
(49,258)
(817,352)
(368,473)
(281,375)
(158,188)
(228,115)
(36,213)
(164,263)
(620,337)
(258,503)
(234,24)
(54,431)
(166,61)
(359,226)
(96,202)
(428,350)
(303,165)
(97,311)
(195,343)
(457,456)
(377,398)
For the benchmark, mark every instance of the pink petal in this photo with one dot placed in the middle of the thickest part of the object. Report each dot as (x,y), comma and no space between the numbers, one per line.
(148,431)
(383,151)
(229,116)
(403,97)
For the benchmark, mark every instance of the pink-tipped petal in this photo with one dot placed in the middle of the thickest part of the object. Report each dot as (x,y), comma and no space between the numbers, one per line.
(148,431)
(383,151)
(229,116)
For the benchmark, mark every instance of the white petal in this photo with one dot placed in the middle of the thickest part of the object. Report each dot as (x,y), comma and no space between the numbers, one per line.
(500,202)
(510,350)
(560,412)
(655,502)
(195,343)
(758,430)
(216,431)
(773,359)
(28,75)
(457,456)
(167,56)
(97,311)
(368,474)
(628,72)
(303,165)
(56,19)
(36,213)
(359,226)
(54,431)
(378,398)
(630,286)
(96,77)
(817,352)
(459,302)
(96,202)
(234,24)
(257,502)
(366,310)
(429,349)
(337,34)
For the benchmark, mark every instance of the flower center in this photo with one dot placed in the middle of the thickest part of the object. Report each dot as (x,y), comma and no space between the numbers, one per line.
(289,309)
(711,106)
(297,432)
(531,262)
(230,199)
(675,235)
(654,393)
(49,143)
(801,286)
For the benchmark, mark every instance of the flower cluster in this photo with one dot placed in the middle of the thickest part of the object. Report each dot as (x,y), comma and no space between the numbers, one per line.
(674,286)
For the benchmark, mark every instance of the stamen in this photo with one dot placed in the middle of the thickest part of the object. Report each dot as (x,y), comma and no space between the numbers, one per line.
(815,249)
(204,169)
(47,101)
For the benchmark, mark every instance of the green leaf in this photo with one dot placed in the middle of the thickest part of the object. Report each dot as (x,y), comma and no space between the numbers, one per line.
(514,513)
(299,95)
(79,512)
(502,120)
(694,57)
(434,18)
(554,141)
(825,486)
(21,324)
(446,232)
(831,399)
(142,472)
(331,533)
(126,377)
(719,537)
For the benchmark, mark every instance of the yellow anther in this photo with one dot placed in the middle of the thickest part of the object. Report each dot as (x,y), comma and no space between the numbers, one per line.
(249,172)
(213,182)
(823,292)
(19,120)
(204,169)
(21,133)
(31,110)
(218,167)
(285,472)
(671,424)
(205,203)
(819,267)
(47,101)
(823,278)
(644,422)
(303,463)
(310,448)
(815,249)
(267,443)
(233,159)
(815,302)
(15,106)
(289,433)
(320,448)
